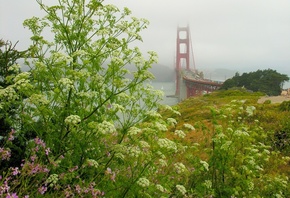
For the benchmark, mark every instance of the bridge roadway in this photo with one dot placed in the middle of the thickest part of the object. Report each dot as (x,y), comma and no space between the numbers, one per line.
(194,85)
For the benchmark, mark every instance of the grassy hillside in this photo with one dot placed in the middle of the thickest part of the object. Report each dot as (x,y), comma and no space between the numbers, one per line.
(238,147)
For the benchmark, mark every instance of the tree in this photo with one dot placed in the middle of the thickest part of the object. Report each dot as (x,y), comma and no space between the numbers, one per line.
(268,81)
(9,68)
(95,123)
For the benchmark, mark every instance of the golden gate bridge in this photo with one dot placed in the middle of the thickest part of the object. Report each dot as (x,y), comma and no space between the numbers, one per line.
(189,81)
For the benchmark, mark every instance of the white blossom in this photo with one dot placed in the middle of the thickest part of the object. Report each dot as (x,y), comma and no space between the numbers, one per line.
(61,57)
(9,94)
(67,83)
(162,163)
(160,127)
(181,189)
(179,133)
(52,180)
(250,110)
(179,167)
(204,164)
(72,120)
(160,188)
(118,107)
(133,151)
(143,182)
(189,126)
(92,163)
(133,131)
(38,99)
(153,114)
(22,75)
(171,121)
(166,143)
(106,127)
(14,68)
(144,144)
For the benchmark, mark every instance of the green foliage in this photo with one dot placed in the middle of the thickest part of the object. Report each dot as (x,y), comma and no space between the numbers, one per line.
(234,146)
(95,126)
(285,106)
(268,81)
(8,112)
(237,158)
(92,128)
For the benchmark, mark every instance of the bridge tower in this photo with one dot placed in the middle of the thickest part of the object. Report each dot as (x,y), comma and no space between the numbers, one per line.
(182,54)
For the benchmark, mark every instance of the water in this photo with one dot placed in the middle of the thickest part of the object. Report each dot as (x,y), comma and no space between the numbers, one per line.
(169,89)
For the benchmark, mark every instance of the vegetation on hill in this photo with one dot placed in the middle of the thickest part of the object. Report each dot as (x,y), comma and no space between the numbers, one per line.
(268,81)
(239,148)
(79,128)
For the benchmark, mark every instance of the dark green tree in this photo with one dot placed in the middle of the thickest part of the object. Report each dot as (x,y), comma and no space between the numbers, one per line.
(9,67)
(268,81)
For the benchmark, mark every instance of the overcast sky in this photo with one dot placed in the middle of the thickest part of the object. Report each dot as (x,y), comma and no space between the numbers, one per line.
(242,35)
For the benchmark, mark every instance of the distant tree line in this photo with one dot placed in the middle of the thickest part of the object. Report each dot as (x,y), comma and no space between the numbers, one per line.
(267,81)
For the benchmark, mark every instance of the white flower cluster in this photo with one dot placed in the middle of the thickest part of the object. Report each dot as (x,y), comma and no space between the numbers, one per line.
(106,127)
(40,66)
(143,182)
(79,53)
(138,60)
(208,184)
(181,189)
(67,83)
(22,81)
(80,74)
(144,144)
(179,167)
(154,56)
(204,164)
(250,110)
(22,75)
(38,99)
(153,114)
(171,121)
(92,163)
(14,68)
(160,188)
(23,85)
(166,143)
(133,131)
(52,180)
(158,93)
(8,94)
(117,107)
(134,151)
(117,61)
(119,150)
(72,120)
(240,133)
(103,32)
(179,133)
(163,163)
(59,57)
(189,126)
(160,127)
(87,94)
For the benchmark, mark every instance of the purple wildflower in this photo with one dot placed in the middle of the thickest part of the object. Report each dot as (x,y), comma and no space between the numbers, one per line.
(47,151)
(13,195)
(11,136)
(15,171)
(42,189)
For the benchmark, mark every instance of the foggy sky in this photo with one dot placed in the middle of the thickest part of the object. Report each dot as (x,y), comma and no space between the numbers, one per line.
(242,35)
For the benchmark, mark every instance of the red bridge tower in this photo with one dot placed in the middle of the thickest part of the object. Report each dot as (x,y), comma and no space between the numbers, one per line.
(182,53)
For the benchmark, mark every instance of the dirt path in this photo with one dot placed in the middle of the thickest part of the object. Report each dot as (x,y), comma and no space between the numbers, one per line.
(274,99)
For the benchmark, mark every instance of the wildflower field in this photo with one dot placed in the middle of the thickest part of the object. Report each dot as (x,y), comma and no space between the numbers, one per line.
(79,124)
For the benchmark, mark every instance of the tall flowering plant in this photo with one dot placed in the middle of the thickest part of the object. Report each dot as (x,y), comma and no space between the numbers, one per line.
(95,126)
